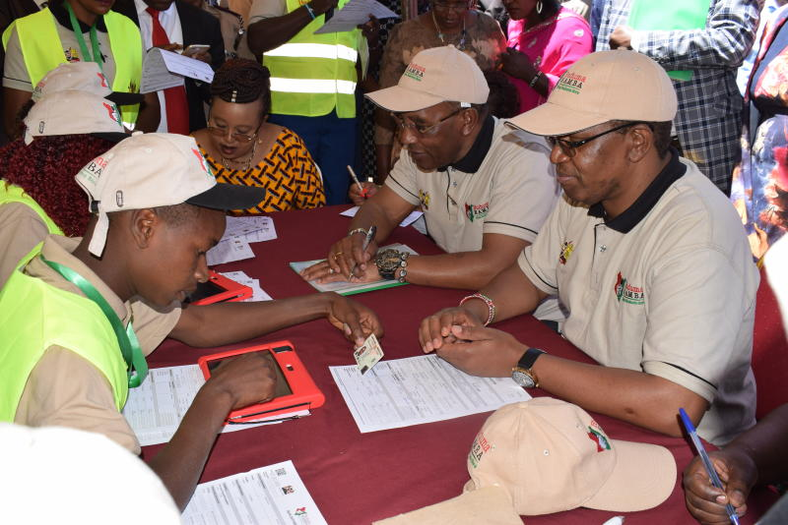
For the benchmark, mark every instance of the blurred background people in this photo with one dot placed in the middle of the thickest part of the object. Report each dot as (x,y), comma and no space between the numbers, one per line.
(69,31)
(175,26)
(544,39)
(243,148)
(760,182)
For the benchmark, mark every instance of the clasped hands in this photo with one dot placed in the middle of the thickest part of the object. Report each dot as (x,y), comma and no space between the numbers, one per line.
(459,337)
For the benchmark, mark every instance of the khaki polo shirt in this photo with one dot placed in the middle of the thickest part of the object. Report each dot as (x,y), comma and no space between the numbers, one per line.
(667,288)
(65,389)
(511,192)
(21,229)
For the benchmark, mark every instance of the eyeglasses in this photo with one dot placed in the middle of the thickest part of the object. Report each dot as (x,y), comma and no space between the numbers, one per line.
(421,129)
(221,131)
(569,147)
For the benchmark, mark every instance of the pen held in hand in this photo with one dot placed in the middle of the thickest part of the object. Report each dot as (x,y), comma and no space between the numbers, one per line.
(370,235)
(704,457)
(358,183)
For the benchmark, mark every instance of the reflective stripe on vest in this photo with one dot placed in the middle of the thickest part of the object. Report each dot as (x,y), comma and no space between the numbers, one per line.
(35,316)
(42,51)
(302,85)
(12,193)
(313,75)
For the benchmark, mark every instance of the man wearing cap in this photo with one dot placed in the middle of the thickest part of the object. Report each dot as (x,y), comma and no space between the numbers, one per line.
(78,315)
(647,256)
(485,189)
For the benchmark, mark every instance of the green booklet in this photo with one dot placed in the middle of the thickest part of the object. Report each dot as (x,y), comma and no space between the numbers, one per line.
(346,288)
(667,15)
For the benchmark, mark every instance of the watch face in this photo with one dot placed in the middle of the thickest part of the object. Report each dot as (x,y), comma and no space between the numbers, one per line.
(522,378)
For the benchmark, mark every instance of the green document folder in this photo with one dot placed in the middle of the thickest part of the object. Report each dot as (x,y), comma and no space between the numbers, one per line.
(666,15)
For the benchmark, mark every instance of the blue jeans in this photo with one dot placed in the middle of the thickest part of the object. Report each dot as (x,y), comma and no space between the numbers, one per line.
(332,143)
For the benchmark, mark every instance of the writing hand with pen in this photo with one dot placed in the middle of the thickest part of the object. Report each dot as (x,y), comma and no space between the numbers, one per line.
(349,259)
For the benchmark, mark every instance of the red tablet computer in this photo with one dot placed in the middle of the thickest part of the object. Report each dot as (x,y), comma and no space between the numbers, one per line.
(295,389)
(219,289)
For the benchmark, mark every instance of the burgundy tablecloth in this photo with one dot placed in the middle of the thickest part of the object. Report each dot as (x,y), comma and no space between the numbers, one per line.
(357,478)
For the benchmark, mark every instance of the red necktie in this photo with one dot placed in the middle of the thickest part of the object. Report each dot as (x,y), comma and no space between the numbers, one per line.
(174,97)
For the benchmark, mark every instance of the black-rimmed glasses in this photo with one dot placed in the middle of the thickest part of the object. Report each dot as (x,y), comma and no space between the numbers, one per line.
(569,147)
(420,128)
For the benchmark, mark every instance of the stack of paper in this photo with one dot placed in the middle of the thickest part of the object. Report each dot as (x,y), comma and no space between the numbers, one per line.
(270,495)
(156,407)
(239,233)
(258,294)
(417,390)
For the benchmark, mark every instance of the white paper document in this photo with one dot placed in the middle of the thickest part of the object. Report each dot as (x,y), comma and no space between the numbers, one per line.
(258,294)
(238,234)
(407,221)
(156,407)
(273,495)
(417,390)
(355,12)
(165,69)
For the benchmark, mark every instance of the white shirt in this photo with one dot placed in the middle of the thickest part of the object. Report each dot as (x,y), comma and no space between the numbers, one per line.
(171,23)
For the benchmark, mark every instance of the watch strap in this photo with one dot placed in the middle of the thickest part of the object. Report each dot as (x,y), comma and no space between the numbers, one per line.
(529,358)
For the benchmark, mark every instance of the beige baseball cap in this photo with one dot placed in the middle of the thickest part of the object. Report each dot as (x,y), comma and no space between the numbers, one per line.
(435,75)
(74,113)
(600,87)
(152,170)
(552,456)
(81,76)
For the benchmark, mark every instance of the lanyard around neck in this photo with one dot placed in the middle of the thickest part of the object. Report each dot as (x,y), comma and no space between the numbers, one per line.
(83,48)
(136,366)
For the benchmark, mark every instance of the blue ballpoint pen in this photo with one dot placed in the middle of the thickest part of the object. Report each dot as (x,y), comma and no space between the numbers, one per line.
(704,457)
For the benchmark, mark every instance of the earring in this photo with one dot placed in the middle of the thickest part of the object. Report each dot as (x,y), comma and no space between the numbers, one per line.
(539,7)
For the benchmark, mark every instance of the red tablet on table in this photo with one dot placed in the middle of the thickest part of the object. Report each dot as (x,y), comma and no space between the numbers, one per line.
(295,388)
(219,289)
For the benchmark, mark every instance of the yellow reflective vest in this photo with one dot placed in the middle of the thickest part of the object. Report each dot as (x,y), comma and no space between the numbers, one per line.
(12,193)
(313,74)
(42,51)
(35,315)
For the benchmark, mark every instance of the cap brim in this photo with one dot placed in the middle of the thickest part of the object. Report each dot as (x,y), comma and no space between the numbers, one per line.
(554,120)
(228,197)
(644,477)
(400,100)
(125,99)
(111,136)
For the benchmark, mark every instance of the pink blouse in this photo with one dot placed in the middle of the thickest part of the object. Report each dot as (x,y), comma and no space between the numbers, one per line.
(552,46)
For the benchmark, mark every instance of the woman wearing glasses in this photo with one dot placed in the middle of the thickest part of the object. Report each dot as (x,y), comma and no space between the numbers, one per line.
(242,148)
(544,40)
(447,22)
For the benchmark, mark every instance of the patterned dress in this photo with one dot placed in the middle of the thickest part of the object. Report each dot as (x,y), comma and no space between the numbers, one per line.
(291,179)
(760,182)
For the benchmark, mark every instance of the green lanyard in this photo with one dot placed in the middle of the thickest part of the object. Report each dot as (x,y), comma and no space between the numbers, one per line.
(136,366)
(83,49)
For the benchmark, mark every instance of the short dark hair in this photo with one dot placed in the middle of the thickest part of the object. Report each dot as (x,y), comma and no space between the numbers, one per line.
(660,130)
(179,214)
(241,80)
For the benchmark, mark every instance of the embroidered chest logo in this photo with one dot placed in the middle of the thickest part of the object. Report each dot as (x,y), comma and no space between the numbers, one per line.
(596,435)
(476,211)
(415,71)
(424,198)
(478,449)
(72,55)
(566,251)
(113,112)
(571,82)
(628,293)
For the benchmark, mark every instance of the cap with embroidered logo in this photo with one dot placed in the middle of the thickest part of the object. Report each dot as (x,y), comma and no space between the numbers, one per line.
(435,75)
(552,456)
(82,76)
(152,170)
(74,113)
(600,87)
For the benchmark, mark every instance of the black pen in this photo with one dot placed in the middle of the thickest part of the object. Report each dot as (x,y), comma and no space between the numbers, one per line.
(370,235)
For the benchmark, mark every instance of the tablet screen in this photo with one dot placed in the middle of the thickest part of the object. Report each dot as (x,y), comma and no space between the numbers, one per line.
(282,386)
(206,289)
